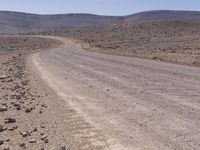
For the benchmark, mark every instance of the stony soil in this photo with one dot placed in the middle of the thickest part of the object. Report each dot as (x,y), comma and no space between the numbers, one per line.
(33,116)
(24,43)
(170,41)
(25,122)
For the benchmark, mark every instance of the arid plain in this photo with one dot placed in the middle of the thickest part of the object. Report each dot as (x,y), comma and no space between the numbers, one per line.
(88,82)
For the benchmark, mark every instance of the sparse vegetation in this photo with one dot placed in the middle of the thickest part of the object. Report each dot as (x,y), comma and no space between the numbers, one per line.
(24,43)
(172,41)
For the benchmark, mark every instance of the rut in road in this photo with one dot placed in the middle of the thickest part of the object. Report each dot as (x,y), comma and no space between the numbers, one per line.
(141,104)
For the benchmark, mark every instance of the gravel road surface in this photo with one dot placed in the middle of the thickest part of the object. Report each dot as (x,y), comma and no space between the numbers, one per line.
(135,103)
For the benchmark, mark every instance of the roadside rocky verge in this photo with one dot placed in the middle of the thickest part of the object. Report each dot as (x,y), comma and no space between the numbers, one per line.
(24,112)
(33,117)
(25,43)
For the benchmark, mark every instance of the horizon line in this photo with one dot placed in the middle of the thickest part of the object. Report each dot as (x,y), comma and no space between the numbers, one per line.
(82,13)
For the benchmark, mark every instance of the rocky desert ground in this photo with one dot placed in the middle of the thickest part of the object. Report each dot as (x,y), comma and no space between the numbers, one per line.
(32,115)
(24,105)
(66,85)
(169,41)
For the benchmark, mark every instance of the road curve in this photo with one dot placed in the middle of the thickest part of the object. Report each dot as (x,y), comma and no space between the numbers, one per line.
(141,104)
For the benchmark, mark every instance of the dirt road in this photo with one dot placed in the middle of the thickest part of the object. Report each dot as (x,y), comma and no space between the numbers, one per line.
(134,103)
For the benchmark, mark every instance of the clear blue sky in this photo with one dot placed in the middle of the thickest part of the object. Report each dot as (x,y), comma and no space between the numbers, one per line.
(102,7)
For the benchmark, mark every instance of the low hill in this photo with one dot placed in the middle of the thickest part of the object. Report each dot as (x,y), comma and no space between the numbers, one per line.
(159,15)
(15,22)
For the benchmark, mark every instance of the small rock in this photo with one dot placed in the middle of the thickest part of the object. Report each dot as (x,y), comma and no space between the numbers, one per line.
(42,126)
(18,97)
(7,140)
(43,105)
(28,110)
(1,142)
(3,108)
(41,133)
(16,104)
(10,120)
(2,77)
(32,107)
(2,128)
(63,148)
(25,83)
(10,80)
(32,141)
(46,141)
(4,104)
(13,128)
(22,144)
(24,134)
(35,129)
(43,137)
(18,108)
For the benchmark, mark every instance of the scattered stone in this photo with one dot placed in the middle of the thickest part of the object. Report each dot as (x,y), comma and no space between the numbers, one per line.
(3,108)
(2,128)
(25,83)
(41,133)
(46,141)
(13,128)
(2,77)
(28,110)
(4,104)
(43,105)
(63,148)
(10,120)
(40,111)
(32,141)
(32,107)
(1,142)
(18,97)
(24,134)
(16,104)
(43,137)
(22,144)
(18,108)
(10,80)
(35,129)
(7,140)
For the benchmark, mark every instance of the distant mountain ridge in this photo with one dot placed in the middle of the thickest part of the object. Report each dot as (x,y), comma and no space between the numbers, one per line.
(157,15)
(16,22)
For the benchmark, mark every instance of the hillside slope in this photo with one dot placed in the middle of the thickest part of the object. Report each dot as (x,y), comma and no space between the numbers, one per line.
(15,22)
(160,15)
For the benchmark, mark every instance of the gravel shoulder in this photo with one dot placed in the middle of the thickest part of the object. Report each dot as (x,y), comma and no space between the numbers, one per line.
(26,117)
